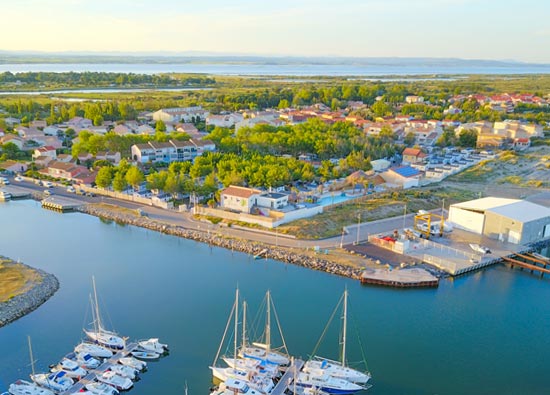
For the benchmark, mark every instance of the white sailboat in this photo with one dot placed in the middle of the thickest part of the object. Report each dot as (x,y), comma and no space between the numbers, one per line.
(326,383)
(340,370)
(84,360)
(100,335)
(263,351)
(56,382)
(249,374)
(101,389)
(72,368)
(95,350)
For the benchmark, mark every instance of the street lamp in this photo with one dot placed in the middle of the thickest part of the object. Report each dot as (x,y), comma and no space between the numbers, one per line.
(358,227)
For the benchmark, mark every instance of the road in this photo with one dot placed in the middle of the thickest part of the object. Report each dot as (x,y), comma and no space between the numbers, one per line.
(352,234)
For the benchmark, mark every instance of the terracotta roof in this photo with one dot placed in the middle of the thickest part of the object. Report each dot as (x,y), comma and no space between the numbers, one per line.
(412,152)
(240,191)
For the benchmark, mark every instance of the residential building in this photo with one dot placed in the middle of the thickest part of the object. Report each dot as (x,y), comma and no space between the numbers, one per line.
(402,177)
(240,199)
(113,157)
(79,123)
(12,166)
(185,114)
(11,122)
(67,171)
(414,99)
(171,151)
(413,155)
(11,138)
(224,120)
(47,150)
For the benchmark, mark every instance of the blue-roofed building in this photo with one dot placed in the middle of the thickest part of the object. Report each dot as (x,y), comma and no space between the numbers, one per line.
(404,177)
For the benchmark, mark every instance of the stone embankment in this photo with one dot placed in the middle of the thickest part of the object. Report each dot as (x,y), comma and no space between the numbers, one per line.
(256,249)
(23,304)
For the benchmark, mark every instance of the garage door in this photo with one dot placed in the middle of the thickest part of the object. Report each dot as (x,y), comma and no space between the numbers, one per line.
(514,237)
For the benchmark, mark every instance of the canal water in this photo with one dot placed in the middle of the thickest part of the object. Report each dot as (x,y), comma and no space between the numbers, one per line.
(484,333)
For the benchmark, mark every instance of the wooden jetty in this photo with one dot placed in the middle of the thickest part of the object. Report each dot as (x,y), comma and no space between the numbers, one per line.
(61,204)
(284,383)
(529,262)
(93,373)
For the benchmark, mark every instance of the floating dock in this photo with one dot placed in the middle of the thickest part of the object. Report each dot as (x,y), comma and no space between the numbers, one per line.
(15,192)
(61,204)
(284,383)
(402,278)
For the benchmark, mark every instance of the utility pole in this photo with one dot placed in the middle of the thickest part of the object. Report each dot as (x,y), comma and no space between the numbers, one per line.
(404,215)
(342,239)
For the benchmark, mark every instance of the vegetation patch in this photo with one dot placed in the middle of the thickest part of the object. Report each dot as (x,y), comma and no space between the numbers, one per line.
(16,279)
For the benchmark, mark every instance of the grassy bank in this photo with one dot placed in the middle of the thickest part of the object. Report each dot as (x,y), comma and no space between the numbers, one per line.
(15,279)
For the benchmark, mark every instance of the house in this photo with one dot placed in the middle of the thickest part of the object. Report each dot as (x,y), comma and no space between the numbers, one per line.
(240,199)
(64,158)
(79,123)
(203,146)
(224,121)
(53,131)
(47,150)
(188,128)
(84,157)
(171,151)
(12,166)
(29,133)
(145,129)
(11,122)
(10,138)
(122,130)
(380,164)
(520,144)
(38,124)
(413,155)
(490,141)
(42,160)
(101,130)
(414,99)
(67,171)
(404,177)
(113,157)
(185,114)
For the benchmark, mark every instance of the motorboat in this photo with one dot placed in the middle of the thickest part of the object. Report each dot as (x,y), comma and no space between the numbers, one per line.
(255,380)
(124,371)
(85,360)
(101,389)
(153,345)
(72,368)
(111,378)
(22,387)
(57,382)
(145,354)
(133,363)
(94,350)
(234,387)
(324,382)
(99,334)
(480,249)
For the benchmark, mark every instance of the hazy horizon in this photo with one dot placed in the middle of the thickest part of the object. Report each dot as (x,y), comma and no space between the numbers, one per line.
(464,29)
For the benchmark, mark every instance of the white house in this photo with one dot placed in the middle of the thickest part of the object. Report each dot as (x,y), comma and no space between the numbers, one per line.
(171,151)
(239,199)
(224,120)
(183,114)
(405,177)
(48,150)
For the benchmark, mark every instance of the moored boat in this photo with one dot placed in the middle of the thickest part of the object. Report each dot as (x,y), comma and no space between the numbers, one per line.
(124,371)
(234,387)
(71,368)
(95,350)
(22,387)
(111,378)
(133,363)
(147,355)
(326,383)
(85,360)
(101,389)
(57,382)
(153,345)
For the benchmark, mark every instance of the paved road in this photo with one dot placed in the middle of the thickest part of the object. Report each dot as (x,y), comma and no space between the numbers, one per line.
(353,232)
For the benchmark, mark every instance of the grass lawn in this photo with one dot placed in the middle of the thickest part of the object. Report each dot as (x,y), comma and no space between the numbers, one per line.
(15,279)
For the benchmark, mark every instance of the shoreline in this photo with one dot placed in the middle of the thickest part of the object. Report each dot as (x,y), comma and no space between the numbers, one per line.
(254,248)
(28,301)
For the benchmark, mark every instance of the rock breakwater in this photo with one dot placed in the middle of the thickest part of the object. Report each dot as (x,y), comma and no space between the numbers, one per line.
(246,246)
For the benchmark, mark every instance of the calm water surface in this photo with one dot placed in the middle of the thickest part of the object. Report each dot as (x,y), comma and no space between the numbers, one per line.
(486,333)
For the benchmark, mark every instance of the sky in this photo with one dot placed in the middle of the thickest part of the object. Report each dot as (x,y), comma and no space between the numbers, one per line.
(468,29)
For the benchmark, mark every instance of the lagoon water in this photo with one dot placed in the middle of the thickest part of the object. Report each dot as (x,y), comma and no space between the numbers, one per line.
(251,69)
(484,333)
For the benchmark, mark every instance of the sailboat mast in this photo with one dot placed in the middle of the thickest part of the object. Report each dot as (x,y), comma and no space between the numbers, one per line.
(243,342)
(236,326)
(30,353)
(268,323)
(97,318)
(344,327)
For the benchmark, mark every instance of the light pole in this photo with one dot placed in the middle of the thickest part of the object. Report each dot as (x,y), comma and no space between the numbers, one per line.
(404,215)
(358,227)
(342,239)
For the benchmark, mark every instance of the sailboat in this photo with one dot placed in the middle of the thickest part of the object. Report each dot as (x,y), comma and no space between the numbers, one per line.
(100,335)
(56,382)
(250,374)
(338,369)
(263,351)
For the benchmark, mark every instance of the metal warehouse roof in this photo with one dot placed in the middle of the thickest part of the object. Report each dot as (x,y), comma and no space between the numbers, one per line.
(485,203)
(522,211)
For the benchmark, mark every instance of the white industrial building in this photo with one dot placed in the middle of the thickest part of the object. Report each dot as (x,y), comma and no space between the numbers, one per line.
(510,220)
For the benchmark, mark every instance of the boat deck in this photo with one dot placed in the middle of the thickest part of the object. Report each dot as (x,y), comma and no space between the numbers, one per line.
(288,377)
(93,373)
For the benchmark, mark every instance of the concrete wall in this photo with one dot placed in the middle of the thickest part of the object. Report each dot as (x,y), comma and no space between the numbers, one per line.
(503,228)
(467,220)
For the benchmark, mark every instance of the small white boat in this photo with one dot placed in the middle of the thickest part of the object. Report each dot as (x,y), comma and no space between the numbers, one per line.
(133,363)
(480,249)
(101,389)
(259,352)
(252,364)
(72,368)
(234,387)
(145,355)
(57,382)
(111,378)
(255,380)
(85,360)
(22,387)
(153,345)
(124,371)
(94,350)
(106,339)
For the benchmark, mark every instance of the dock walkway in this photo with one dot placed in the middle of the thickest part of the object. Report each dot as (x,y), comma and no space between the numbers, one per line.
(93,373)
(62,204)
(288,377)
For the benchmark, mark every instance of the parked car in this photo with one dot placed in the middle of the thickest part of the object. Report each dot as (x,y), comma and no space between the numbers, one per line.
(4,180)
(48,184)
(47,192)
(71,189)
(18,179)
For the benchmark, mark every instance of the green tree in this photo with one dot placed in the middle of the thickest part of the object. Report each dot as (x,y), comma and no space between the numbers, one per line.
(160,126)
(11,151)
(157,180)
(467,138)
(134,176)
(104,177)
(381,109)
(119,182)
(409,139)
